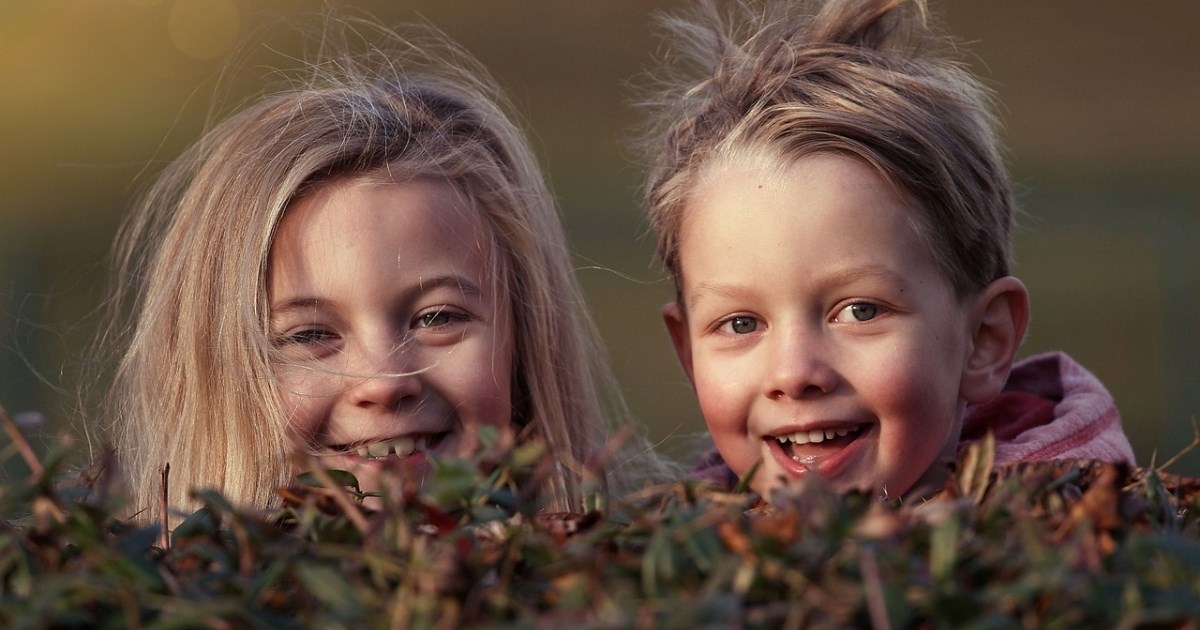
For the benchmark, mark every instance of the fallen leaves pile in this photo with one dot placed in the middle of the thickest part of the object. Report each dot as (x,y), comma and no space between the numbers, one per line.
(1059,544)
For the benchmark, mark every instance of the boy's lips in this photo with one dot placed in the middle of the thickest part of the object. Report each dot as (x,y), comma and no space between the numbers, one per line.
(824,450)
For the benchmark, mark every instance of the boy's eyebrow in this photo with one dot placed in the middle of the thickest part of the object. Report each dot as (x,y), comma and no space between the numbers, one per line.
(452,281)
(845,276)
(704,289)
(839,277)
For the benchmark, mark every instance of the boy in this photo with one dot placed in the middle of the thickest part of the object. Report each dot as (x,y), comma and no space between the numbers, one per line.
(830,201)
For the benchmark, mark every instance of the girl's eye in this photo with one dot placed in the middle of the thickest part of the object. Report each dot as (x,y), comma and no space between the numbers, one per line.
(859,312)
(302,344)
(440,316)
(740,325)
(307,336)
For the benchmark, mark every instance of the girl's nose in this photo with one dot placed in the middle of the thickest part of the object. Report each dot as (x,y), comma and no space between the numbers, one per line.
(386,382)
(798,367)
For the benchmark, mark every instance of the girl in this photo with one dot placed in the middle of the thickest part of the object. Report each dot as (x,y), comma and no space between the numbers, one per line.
(369,267)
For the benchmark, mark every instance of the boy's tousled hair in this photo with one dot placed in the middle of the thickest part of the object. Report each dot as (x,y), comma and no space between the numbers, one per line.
(863,78)
(195,385)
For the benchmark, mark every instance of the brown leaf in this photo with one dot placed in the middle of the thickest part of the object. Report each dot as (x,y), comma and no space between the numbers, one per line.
(1100,506)
(879,523)
(734,537)
(781,525)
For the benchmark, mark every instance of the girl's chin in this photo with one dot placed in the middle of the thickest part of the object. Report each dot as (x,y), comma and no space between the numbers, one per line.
(370,472)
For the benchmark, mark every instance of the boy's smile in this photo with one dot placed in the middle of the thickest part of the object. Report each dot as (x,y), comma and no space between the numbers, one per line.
(817,329)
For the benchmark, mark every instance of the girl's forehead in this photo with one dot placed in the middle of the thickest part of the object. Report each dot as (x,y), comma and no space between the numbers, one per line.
(348,215)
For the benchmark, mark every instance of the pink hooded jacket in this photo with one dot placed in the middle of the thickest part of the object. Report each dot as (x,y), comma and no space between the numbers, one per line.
(1050,408)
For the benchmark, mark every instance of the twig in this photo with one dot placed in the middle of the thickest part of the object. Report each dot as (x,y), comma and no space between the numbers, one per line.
(164,536)
(873,585)
(339,495)
(22,444)
(1187,449)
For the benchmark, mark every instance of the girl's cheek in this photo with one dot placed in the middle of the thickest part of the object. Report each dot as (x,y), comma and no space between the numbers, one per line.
(302,395)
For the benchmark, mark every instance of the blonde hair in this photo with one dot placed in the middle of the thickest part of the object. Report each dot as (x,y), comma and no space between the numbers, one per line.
(195,385)
(863,78)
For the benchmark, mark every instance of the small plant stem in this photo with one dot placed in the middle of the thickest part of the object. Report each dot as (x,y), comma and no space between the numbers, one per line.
(22,444)
(873,587)
(1187,449)
(164,533)
(338,493)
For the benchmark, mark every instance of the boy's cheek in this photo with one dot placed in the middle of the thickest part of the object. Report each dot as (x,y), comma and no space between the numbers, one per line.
(722,400)
(725,408)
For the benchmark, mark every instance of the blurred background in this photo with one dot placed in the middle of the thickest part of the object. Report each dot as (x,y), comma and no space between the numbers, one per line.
(1100,101)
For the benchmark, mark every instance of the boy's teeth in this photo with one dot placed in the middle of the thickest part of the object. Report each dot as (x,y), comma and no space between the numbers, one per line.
(816,436)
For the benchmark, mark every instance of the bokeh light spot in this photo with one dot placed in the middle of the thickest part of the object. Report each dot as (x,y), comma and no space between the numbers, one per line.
(204,29)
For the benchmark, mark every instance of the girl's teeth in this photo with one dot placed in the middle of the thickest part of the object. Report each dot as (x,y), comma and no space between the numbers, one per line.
(401,447)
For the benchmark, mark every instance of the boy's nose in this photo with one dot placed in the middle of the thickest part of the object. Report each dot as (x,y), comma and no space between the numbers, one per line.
(385,381)
(798,368)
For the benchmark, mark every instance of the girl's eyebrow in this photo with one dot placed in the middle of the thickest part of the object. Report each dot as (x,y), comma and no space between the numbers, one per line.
(298,304)
(451,281)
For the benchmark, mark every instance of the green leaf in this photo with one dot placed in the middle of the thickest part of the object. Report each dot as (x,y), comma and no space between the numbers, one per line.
(331,589)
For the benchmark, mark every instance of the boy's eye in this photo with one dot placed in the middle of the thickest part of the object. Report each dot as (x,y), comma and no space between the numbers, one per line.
(858,312)
(741,325)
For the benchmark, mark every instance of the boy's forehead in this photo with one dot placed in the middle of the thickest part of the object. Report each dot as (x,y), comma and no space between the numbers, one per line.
(769,168)
(761,162)
(737,181)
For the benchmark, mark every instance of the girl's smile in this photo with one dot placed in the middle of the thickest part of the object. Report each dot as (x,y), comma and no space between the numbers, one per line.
(391,339)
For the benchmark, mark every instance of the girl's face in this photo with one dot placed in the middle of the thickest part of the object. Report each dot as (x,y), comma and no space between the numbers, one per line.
(394,340)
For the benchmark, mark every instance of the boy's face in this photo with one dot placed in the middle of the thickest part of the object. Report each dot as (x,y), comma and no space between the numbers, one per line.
(815,326)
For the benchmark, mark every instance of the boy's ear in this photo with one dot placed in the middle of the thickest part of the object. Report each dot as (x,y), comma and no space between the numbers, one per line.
(999,315)
(676,321)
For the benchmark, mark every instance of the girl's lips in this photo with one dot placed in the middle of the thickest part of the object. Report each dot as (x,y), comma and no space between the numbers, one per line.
(389,449)
(824,451)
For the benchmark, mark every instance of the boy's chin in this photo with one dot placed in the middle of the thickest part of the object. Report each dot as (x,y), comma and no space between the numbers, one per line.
(932,482)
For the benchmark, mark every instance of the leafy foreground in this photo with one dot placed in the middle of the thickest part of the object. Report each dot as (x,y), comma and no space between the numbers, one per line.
(1063,544)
